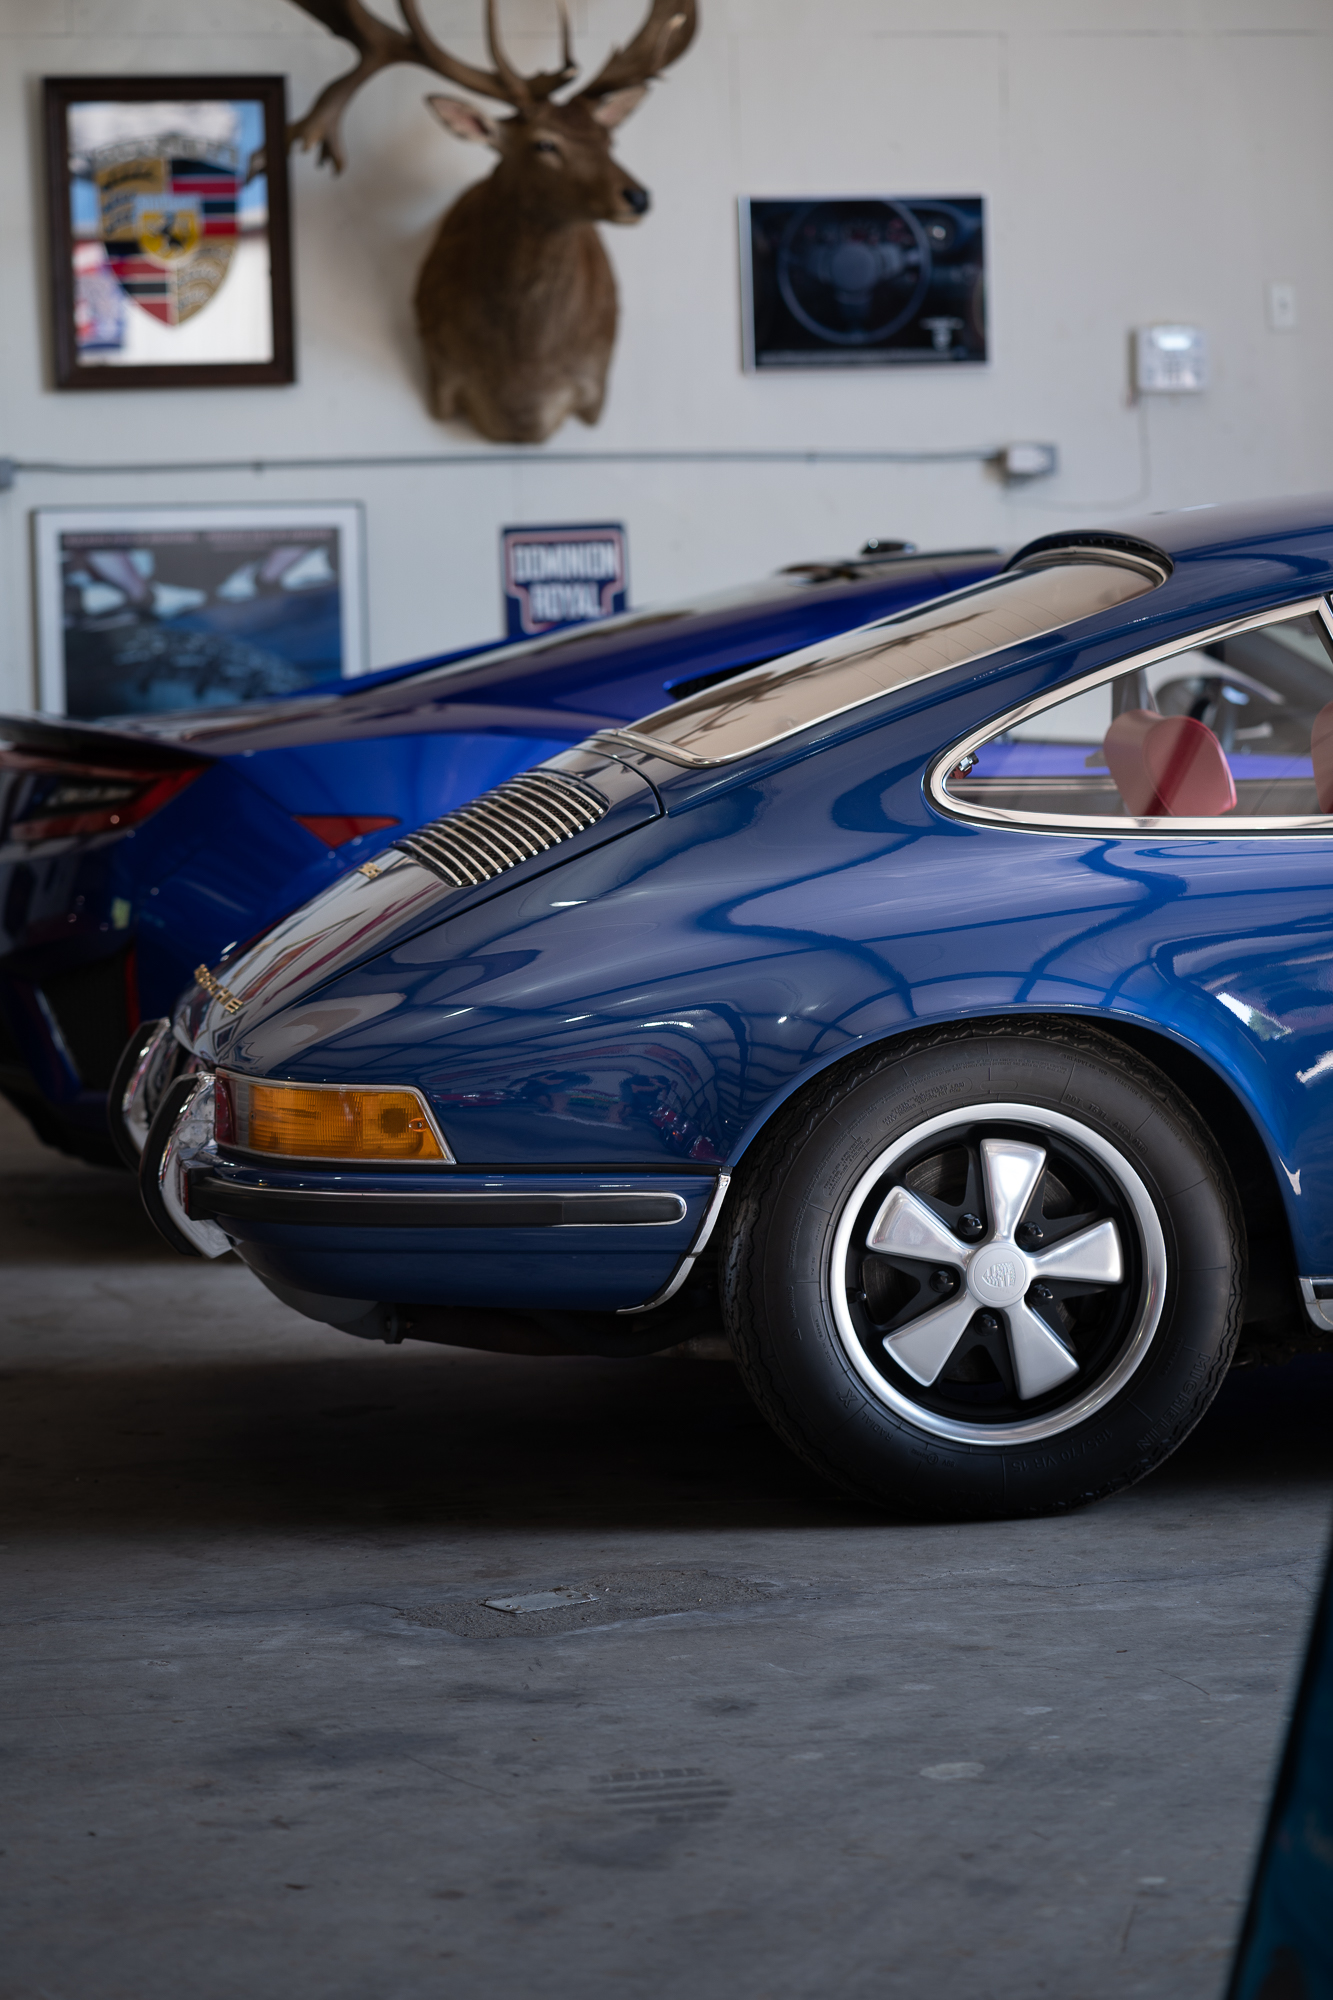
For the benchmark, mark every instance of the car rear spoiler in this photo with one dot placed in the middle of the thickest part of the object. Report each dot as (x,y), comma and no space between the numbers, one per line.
(94,743)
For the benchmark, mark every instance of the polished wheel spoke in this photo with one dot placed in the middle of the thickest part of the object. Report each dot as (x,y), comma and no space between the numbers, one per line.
(1041,1359)
(1092,1257)
(923,1346)
(998,1271)
(1012,1173)
(905,1227)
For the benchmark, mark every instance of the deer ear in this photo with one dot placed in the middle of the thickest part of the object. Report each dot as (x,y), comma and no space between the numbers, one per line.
(465,121)
(615,107)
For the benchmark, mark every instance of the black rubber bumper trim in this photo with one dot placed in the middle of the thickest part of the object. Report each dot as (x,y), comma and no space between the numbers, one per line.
(220,1199)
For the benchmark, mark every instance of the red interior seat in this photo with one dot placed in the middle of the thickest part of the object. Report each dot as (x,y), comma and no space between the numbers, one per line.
(1171,766)
(1321,753)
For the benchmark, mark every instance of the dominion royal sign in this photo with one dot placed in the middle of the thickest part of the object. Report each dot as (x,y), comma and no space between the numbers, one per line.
(554,577)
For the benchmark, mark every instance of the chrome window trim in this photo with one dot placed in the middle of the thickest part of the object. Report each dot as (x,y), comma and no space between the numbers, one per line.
(1124,826)
(634,737)
(342,1159)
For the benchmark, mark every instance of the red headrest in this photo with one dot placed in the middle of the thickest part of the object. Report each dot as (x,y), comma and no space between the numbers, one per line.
(1168,766)
(1321,753)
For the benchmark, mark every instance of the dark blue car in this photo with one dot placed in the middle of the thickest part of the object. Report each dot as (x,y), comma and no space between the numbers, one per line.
(132,852)
(1286,1944)
(944,1008)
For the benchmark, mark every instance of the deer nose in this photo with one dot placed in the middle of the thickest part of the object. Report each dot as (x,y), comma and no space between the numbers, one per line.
(637,198)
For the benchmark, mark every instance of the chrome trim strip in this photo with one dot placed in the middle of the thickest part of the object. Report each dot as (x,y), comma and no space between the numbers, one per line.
(687,1262)
(1320,1311)
(609,740)
(1072,552)
(1124,826)
(343,1159)
(448,1209)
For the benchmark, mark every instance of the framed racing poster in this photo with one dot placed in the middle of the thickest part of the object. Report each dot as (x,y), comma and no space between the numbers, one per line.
(145,609)
(170,260)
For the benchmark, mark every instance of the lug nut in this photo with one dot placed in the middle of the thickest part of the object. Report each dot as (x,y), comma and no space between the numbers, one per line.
(1042,1292)
(941,1281)
(971,1226)
(987,1323)
(1029,1234)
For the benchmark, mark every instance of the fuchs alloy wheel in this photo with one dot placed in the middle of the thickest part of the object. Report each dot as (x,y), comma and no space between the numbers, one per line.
(993,1273)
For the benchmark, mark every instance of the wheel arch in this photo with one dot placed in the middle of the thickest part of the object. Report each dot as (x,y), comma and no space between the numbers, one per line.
(1272,1292)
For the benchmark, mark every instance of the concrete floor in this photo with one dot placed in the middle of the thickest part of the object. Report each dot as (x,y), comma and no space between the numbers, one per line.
(263,1738)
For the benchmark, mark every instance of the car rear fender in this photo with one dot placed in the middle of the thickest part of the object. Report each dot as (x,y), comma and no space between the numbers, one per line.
(1214,1096)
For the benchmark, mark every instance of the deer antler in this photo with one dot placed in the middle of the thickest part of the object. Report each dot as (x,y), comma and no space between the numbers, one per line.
(665,35)
(379,46)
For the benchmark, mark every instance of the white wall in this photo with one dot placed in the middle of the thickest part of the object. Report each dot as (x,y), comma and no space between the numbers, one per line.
(1142,160)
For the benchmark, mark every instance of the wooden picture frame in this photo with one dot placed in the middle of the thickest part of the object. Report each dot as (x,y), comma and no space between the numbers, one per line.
(169,230)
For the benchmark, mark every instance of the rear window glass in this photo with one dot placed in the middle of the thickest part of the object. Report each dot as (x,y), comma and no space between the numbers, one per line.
(1238,728)
(769,702)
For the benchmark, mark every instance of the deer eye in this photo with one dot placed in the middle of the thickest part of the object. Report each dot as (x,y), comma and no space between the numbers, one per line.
(546,146)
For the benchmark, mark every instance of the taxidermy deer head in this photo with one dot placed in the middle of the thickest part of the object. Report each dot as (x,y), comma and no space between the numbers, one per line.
(516,302)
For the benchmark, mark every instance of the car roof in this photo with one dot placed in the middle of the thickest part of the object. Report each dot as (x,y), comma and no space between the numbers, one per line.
(1303,525)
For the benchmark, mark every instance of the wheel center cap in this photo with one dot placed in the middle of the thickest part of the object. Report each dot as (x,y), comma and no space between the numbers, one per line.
(998,1275)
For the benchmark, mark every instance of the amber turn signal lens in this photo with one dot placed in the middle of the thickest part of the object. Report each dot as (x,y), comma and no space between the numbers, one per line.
(325,1121)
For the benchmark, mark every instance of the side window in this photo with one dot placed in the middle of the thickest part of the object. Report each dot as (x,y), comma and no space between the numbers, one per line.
(1241,728)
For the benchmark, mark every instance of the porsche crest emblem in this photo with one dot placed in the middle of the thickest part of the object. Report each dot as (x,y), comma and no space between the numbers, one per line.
(168,221)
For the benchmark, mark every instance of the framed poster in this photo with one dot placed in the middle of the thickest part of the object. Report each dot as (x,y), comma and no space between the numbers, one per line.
(143,609)
(170,259)
(865,281)
(560,576)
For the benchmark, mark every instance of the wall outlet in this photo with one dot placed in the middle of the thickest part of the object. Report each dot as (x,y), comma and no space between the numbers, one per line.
(1282,308)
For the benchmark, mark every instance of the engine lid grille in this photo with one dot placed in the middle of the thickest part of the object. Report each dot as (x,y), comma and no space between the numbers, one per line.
(515,821)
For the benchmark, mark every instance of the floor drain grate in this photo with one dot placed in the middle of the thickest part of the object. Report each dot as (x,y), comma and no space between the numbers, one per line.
(680,1796)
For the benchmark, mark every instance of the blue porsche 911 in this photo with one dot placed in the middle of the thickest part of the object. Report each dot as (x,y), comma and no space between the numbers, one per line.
(133,851)
(945,1008)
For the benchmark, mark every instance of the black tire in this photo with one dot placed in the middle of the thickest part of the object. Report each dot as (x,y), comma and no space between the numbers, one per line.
(1140,1341)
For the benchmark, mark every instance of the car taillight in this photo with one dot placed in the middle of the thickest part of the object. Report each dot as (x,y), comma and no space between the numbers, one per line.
(53,800)
(335,829)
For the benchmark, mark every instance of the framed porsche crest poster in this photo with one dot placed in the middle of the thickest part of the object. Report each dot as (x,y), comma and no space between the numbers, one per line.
(170,261)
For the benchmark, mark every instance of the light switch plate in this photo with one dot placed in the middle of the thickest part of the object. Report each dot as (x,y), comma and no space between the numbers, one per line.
(1170,360)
